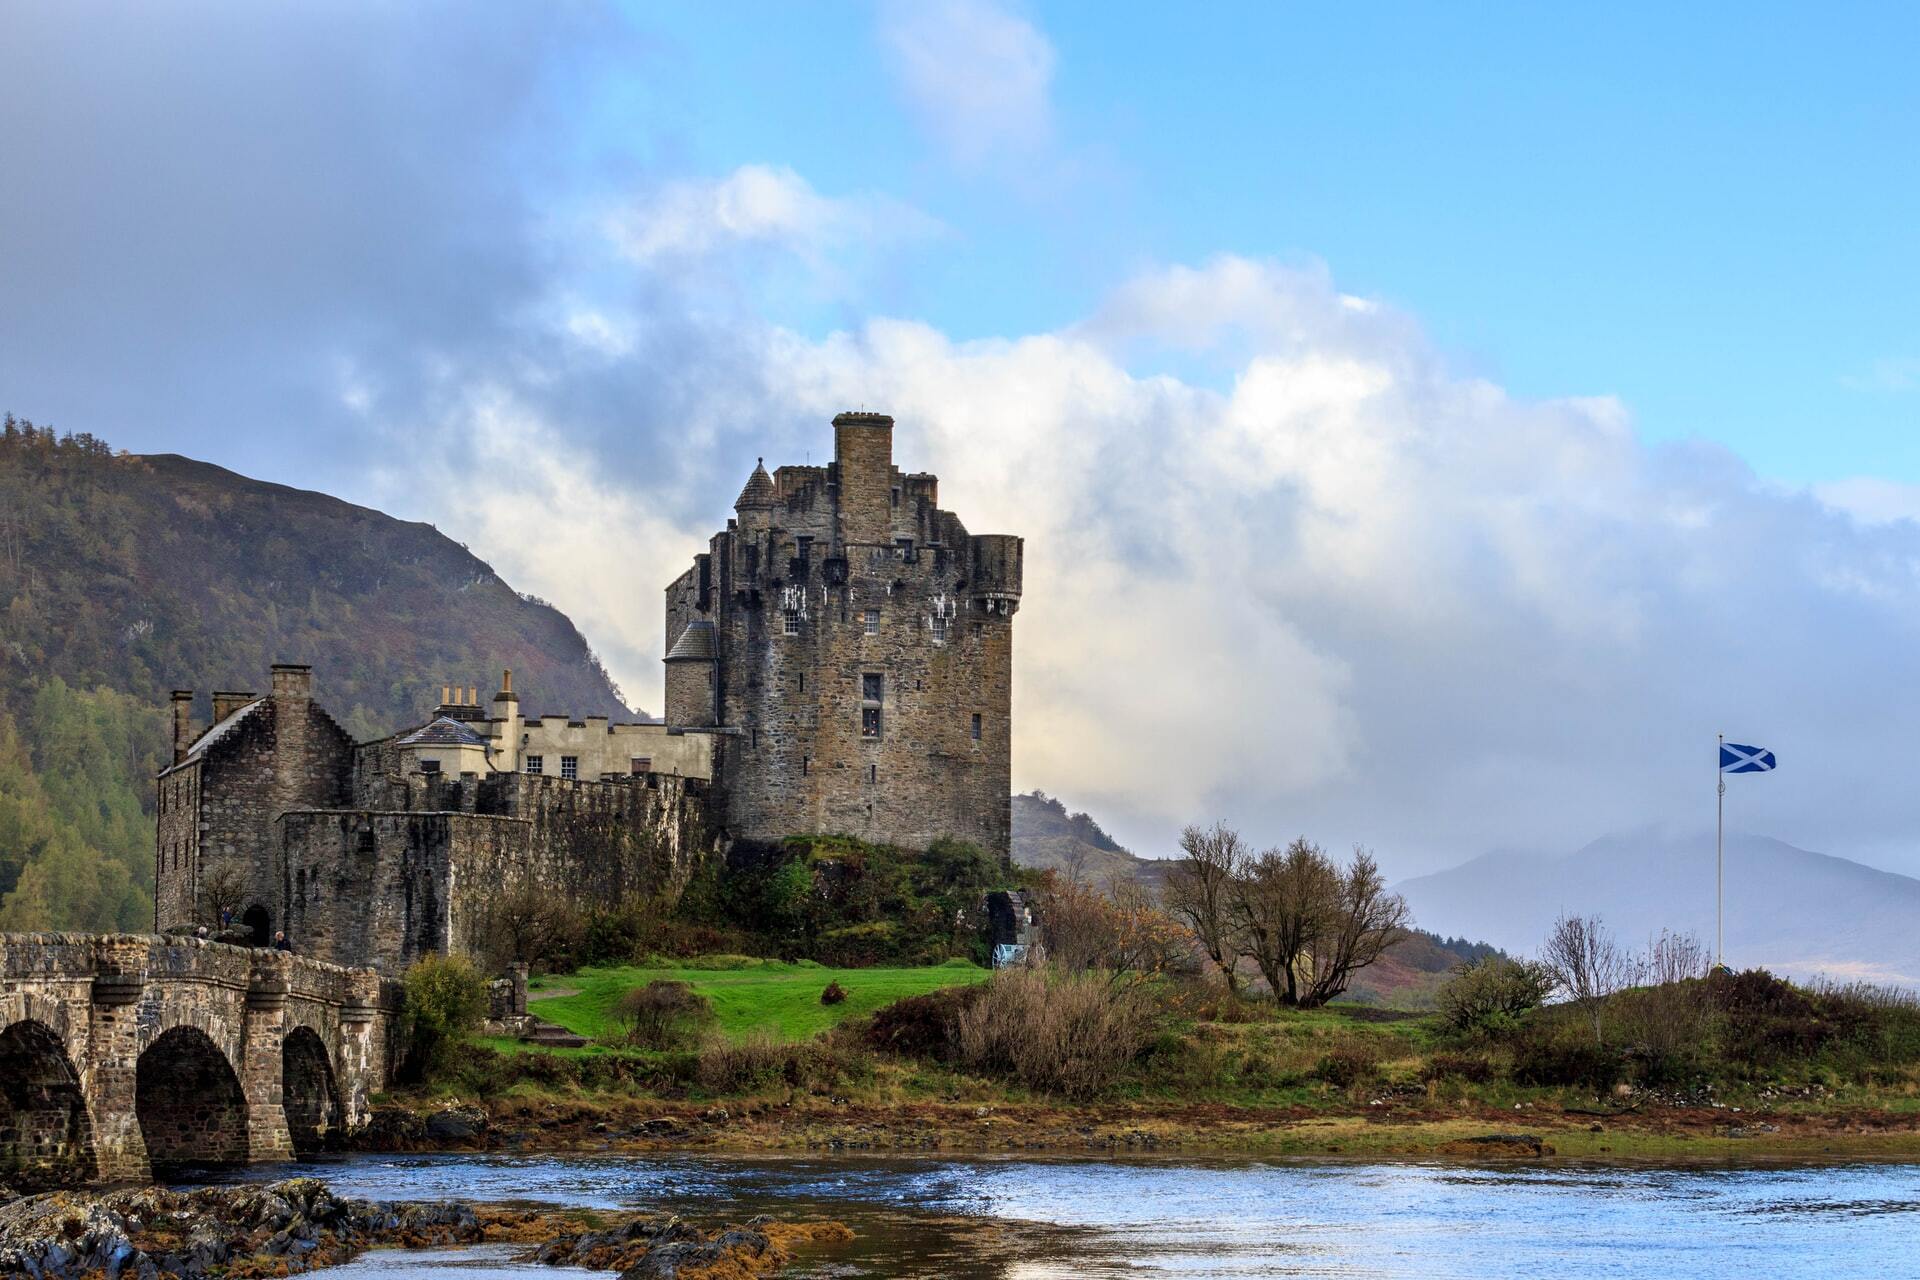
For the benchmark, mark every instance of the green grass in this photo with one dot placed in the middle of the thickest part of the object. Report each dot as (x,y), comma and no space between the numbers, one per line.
(749,994)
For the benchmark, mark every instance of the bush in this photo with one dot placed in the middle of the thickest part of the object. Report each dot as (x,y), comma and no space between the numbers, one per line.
(1063,1033)
(834,993)
(1472,1068)
(759,1061)
(445,1000)
(1558,1051)
(1490,993)
(920,1026)
(664,1014)
(1348,1065)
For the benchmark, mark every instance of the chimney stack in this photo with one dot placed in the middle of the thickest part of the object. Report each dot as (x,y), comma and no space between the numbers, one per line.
(228,701)
(292,682)
(182,723)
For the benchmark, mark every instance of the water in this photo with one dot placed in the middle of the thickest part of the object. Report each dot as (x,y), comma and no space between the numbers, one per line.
(1028,1219)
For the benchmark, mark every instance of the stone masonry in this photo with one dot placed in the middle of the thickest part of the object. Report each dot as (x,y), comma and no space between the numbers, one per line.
(850,645)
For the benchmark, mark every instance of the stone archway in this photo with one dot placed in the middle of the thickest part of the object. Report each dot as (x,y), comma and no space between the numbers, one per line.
(45,1137)
(189,1102)
(309,1093)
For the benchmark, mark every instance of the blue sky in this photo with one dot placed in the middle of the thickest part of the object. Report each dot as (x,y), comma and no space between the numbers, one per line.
(1430,425)
(1706,210)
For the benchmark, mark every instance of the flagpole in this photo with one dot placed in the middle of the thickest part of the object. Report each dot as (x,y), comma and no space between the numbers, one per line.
(1719,860)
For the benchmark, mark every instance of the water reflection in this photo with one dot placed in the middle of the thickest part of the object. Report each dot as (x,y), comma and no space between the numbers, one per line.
(1023,1219)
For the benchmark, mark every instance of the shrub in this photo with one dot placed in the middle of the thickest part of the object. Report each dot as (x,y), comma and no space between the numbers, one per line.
(920,1026)
(759,1061)
(664,1014)
(834,993)
(1490,993)
(445,1000)
(1348,1065)
(1472,1068)
(1063,1033)
(1554,1051)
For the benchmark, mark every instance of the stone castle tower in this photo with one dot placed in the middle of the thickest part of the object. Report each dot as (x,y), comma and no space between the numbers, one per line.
(850,646)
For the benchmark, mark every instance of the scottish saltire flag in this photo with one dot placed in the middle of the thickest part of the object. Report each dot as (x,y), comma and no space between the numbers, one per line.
(1735,758)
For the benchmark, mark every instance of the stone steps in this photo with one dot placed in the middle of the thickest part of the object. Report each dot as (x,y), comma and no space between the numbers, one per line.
(549,1035)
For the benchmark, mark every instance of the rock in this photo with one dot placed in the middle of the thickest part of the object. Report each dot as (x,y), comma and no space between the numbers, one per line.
(392,1129)
(456,1124)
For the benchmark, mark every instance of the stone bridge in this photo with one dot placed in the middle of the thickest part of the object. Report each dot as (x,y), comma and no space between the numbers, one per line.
(124,1056)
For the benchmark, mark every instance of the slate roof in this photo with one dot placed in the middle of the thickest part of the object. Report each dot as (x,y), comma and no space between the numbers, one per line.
(696,644)
(759,491)
(220,730)
(443,732)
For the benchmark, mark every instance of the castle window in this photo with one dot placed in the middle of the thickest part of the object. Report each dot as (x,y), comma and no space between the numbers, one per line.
(570,766)
(803,548)
(644,764)
(939,629)
(903,547)
(873,622)
(536,764)
(873,774)
(869,722)
(896,495)
(429,766)
(806,765)
(791,623)
(873,687)
(976,726)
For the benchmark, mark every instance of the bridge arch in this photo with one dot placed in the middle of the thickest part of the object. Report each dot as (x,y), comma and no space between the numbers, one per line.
(310,1093)
(190,1106)
(46,1138)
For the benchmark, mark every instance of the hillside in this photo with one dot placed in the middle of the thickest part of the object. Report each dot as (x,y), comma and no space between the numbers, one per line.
(1789,910)
(123,577)
(1047,838)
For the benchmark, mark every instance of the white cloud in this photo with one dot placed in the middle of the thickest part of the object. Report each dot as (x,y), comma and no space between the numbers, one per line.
(757,205)
(1870,499)
(1347,591)
(977,76)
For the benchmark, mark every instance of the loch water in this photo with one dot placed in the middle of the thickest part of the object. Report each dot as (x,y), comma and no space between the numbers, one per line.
(1025,1219)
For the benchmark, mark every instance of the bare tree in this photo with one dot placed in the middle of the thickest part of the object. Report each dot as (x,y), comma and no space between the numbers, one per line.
(1365,920)
(1282,904)
(1200,892)
(1668,1020)
(1587,964)
(222,894)
(525,923)
(1121,932)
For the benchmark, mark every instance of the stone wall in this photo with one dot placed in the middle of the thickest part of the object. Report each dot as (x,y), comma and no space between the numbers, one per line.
(866,655)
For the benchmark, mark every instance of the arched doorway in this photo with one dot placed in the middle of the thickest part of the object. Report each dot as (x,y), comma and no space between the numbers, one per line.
(258,922)
(45,1140)
(191,1108)
(309,1094)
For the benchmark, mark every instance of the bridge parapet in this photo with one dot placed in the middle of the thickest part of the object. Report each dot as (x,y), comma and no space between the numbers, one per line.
(126,1051)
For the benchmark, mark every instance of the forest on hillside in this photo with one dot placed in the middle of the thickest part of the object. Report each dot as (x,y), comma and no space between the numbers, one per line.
(123,577)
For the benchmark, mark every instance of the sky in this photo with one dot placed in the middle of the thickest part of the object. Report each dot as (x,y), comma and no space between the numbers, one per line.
(1430,425)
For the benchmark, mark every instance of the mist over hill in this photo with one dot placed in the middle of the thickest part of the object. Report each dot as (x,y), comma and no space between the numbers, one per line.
(1790,910)
(123,577)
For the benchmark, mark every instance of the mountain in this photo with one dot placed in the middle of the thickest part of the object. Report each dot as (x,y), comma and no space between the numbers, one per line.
(1787,909)
(1047,838)
(122,577)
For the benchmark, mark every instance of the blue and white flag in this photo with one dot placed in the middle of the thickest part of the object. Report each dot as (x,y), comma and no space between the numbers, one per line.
(1735,758)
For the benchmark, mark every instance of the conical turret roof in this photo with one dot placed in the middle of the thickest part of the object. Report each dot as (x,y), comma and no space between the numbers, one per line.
(758,495)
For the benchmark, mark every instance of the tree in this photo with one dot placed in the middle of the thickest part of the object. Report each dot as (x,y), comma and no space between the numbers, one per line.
(1490,992)
(1200,894)
(526,923)
(1310,925)
(222,894)
(1364,921)
(1587,964)
(445,999)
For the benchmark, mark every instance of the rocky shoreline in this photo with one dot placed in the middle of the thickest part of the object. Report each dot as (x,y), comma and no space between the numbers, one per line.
(299,1225)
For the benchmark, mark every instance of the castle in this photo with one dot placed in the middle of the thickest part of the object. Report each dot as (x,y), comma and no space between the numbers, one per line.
(839,661)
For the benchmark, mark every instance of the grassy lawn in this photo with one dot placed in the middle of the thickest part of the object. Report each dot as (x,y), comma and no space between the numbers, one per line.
(782,997)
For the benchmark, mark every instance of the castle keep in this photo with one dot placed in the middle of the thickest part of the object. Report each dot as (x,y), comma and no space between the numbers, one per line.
(838,661)
(850,646)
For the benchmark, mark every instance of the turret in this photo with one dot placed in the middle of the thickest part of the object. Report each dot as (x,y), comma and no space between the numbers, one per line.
(994,579)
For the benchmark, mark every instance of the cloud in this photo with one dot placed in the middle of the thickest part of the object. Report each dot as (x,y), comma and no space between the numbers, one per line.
(757,205)
(977,77)
(1871,500)
(1890,374)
